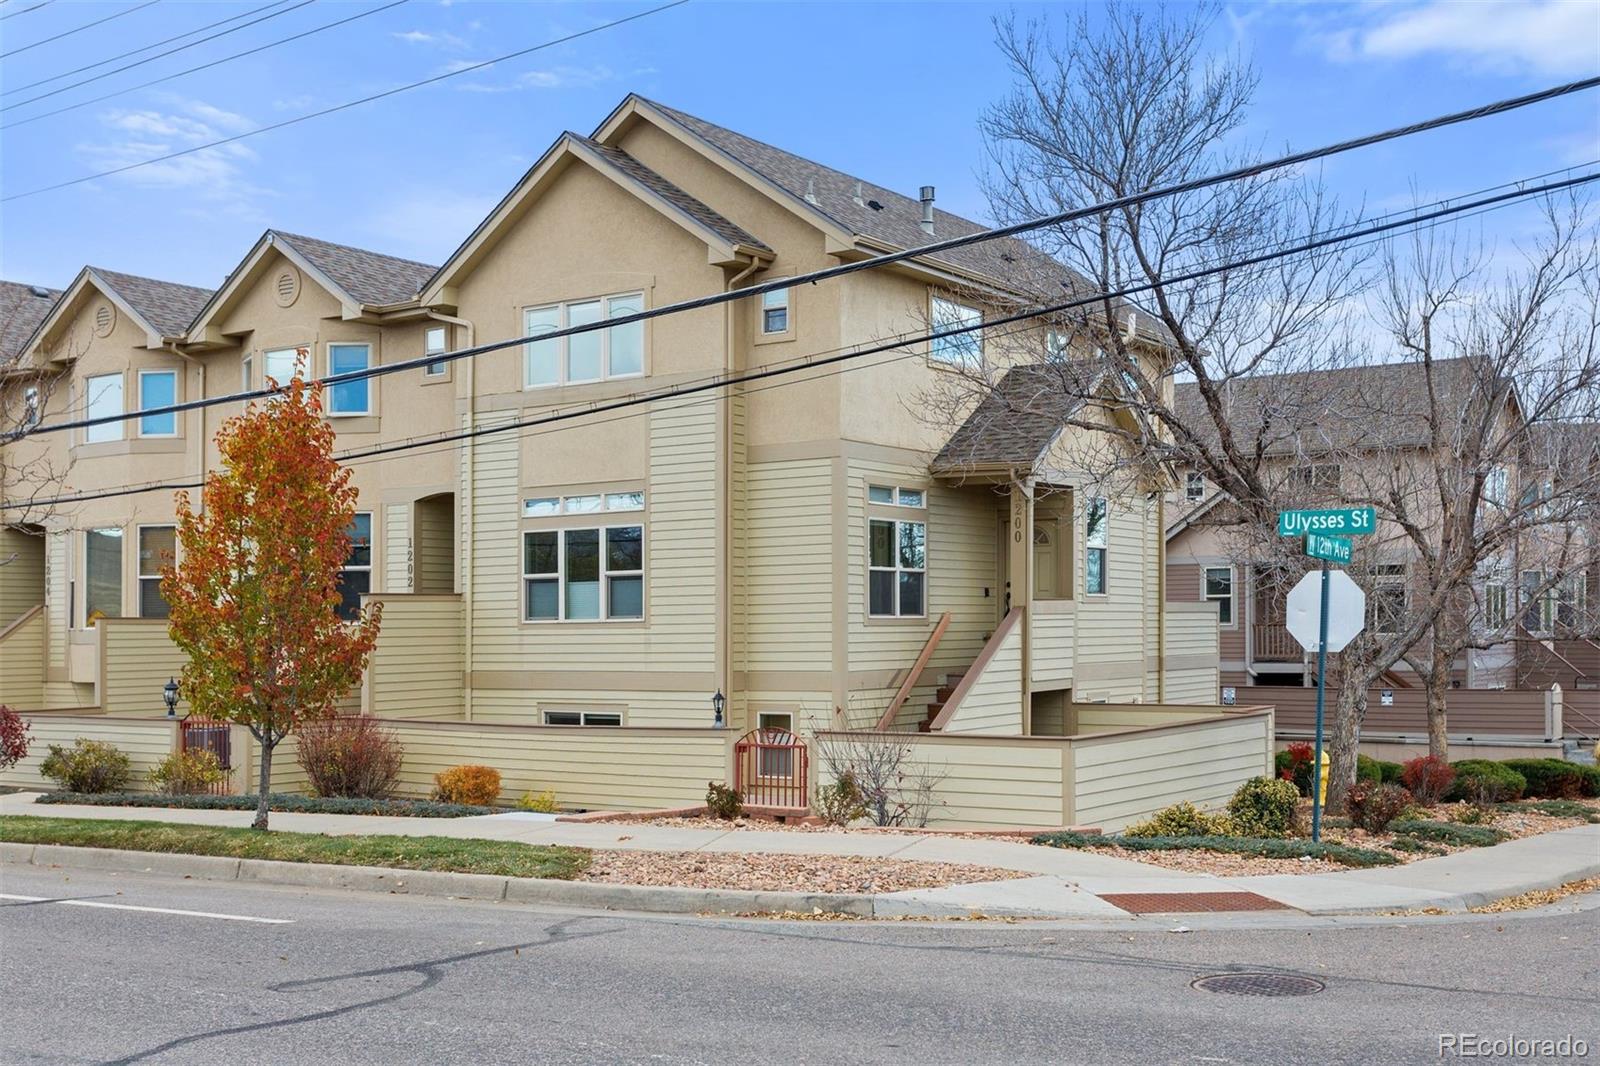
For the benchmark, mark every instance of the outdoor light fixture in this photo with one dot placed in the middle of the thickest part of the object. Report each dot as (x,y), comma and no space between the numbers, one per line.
(169,692)
(718,702)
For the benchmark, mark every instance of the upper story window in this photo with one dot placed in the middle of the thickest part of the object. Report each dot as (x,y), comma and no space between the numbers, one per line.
(434,343)
(897,495)
(247,374)
(1318,477)
(1096,541)
(963,349)
(350,397)
(1386,602)
(281,365)
(1219,590)
(158,388)
(1194,486)
(31,412)
(1057,345)
(102,399)
(102,570)
(157,546)
(612,352)
(1495,613)
(355,579)
(584,571)
(1496,486)
(775,311)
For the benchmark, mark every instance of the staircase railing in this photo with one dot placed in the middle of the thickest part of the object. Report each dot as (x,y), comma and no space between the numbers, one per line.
(903,693)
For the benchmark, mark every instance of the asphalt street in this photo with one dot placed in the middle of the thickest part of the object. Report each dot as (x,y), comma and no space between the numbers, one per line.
(148,969)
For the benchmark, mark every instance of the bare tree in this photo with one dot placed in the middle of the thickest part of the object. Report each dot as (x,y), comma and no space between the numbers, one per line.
(31,470)
(896,784)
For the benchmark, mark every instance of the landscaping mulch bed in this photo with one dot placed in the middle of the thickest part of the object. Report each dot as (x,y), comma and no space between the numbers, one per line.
(781,873)
(724,825)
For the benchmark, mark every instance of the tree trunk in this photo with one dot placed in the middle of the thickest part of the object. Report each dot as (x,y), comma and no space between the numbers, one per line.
(1438,687)
(264,782)
(1344,739)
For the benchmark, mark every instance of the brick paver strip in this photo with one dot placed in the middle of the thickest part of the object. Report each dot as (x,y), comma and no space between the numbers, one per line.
(1190,902)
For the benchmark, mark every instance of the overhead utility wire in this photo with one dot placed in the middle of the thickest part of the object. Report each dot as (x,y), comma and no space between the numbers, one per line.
(80,29)
(205,66)
(158,55)
(142,48)
(24,11)
(349,104)
(843,269)
(723,381)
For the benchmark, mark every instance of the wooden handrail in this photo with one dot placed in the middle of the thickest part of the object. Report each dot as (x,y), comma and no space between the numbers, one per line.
(968,679)
(904,692)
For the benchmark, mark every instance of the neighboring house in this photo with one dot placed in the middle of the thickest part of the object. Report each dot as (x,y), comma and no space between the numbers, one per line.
(813,550)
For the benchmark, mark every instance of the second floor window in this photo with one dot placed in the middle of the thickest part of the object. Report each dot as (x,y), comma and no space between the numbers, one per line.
(157,546)
(775,311)
(1194,486)
(103,398)
(433,343)
(1318,477)
(1219,590)
(349,397)
(1386,602)
(963,349)
(355,579)
(1096,540)
(102,558)
(30,407)
(1495,614)
(281,365)
(599,354)
(158,388)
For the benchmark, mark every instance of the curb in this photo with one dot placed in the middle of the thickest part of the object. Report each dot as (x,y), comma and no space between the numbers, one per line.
(1463,901)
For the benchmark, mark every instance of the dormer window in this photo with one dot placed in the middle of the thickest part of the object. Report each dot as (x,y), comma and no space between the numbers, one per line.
(1194,486)
(962,349)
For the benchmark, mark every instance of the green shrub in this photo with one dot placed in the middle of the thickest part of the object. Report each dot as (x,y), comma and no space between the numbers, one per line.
(840,802)
(1373,806)
(1377,771)
(277,801)
(723,802)
(475,786)
(1557,809)
(543,802)
(1267,849)
(1591,780)
(88,766)
(1181,820)
(1484,783)
(1475,836)
(1548,778)
(1414,846)
(1263,807)
(184,773)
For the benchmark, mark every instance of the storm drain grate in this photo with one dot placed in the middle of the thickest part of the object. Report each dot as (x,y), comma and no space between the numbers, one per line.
(1190,902)
(1259,984)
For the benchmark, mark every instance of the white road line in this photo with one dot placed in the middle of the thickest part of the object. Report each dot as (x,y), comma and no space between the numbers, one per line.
(148,910)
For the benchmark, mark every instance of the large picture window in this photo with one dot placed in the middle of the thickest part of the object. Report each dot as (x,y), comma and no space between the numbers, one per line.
(963,349)
(157,546)
(597,355)
(355,579)
(102,399)
(158,388)
(1096,540)
(350,397)
(102,594)
(583,572)
(897,568)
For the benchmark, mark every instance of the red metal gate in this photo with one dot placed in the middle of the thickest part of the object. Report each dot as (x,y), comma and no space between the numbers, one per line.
(771,768)
(205,734)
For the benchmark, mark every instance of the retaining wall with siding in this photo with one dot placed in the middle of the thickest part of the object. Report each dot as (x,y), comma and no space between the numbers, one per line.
(146,741)
(22,661)
(416,668)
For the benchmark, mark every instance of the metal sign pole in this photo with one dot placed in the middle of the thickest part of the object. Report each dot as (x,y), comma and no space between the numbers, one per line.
(1322,688)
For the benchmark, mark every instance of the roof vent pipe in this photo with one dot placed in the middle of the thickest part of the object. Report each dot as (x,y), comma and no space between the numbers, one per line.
(811,192)
(861,201)
(927,208)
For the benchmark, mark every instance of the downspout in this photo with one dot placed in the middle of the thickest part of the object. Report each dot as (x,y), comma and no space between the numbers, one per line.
(468,509)
(1161,598)
(723,653)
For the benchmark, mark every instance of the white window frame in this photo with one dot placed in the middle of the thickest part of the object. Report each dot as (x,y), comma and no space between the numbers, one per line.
(945,313)
(897,568)
(120,535)
(563,346)
(293,351)
(1496,604)
(777,300)
(899,496)
(439,369)
(1194,486)
(109,431)
(247,375)
(1231,599)
(139,575)
(1387,576)
(365,383)
(1103,536)
(605,574)
(775,763)
(31,413)
(152,372)
(584,718)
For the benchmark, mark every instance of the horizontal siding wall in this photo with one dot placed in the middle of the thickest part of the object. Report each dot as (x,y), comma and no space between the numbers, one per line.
(1051,645)
(22,663)
(788,579)
(1119,780)
(526,707)
(138,658)
(587,768)
(416,669)
(145,742)
(1104,717)
(21,573)
(993,704)
(1111,629)
(1193,686)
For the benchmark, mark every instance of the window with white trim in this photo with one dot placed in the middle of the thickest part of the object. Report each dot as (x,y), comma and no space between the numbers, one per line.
(1096,542)
(575,717)
(583,573)
(1495,613)
(158,388)
(434,343)
(102,398)
(102,569)
(1386,601)
(897,495)
(247,374)
(281,365)
(30,407)
(1219,590)
(775,762)
(349,397)
(775,311)
(157,546)
(355,578)
(897,568)
(596,355)
(1572,601)
(1496,486)
(1194,486)
(963,349)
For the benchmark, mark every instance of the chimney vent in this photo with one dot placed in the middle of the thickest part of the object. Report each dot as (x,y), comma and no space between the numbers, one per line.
(811,191)
(858,198)
(927,208)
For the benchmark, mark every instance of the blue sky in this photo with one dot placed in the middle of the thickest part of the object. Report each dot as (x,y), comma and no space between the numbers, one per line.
(888,91)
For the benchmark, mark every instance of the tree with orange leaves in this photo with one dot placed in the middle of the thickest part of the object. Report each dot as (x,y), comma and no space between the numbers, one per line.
(255,594)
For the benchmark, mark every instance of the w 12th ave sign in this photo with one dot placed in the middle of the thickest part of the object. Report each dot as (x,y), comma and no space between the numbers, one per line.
(1346,521)
(1333,549)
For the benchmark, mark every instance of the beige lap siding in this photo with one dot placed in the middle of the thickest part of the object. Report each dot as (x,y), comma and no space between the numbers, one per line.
(22,575)
(1105,717)
(22,662)
(788,618)
(145,742)
(1051,647)
(138,658)
(993,704)
(416,668)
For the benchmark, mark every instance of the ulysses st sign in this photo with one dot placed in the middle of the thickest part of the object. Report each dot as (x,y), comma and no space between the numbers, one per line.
(1345,521)
(1333,549)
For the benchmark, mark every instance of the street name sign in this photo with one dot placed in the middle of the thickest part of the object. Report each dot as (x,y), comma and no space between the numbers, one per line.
(1333,549)
(1346,521)
(1347,609)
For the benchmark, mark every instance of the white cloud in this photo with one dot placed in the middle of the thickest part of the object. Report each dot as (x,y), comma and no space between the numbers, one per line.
(1547,37)
(216,175)
(550,78)
(442,40)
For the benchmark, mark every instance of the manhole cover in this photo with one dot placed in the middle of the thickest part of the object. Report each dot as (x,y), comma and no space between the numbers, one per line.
(1259,984)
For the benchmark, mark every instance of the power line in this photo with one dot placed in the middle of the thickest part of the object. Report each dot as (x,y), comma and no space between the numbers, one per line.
(887,258)
(24,11)
(158,55)
(203,66)
(142,48)
(771,372)
(352,103)
(80,29)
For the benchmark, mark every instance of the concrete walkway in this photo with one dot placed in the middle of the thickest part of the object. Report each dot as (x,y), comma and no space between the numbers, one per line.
(1066,883)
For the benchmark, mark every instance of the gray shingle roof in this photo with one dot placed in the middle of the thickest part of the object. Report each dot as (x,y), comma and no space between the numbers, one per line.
(371,277)
(21,311)
(729,231)
(166,305)
(1019,418)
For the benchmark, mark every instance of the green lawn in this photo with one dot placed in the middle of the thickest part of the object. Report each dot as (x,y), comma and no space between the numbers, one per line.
(500,857)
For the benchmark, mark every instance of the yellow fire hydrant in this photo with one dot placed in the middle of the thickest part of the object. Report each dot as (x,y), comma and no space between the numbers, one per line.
(1322,782)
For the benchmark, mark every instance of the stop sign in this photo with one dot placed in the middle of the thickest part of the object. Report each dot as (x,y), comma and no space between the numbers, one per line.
(1347,609)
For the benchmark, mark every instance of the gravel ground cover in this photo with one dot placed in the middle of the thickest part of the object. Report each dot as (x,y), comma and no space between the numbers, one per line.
(781,873)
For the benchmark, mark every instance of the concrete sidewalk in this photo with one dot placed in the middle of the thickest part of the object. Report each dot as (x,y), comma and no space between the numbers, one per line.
(1066,883)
